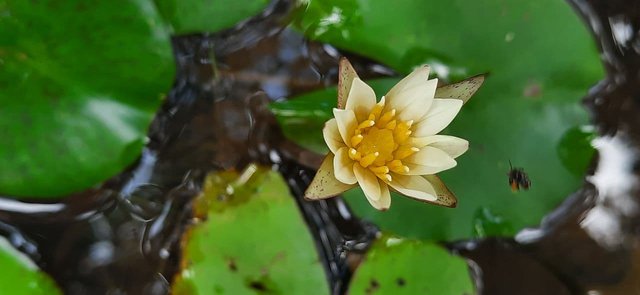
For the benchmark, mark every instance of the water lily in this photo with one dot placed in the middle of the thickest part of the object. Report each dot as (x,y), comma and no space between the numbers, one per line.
(392,143)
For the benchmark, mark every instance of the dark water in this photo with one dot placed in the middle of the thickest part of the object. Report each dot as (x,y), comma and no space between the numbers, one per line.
(123,237)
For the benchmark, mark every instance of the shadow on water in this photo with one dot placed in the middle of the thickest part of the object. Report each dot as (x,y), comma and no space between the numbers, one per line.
(123,237)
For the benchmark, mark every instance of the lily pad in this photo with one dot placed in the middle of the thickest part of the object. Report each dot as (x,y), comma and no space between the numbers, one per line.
(193,16)
(253,240)
(20,276)
(541,62)
(80,84)
(398,266)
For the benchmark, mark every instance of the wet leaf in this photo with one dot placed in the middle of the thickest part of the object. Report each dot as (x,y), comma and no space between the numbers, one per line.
(488,224)
(541,62)
(193,16)
(253,240)
(397,266)
(20,276)
(80,83)
(575,149)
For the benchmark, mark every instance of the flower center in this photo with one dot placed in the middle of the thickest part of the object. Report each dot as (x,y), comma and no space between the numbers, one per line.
(381,142)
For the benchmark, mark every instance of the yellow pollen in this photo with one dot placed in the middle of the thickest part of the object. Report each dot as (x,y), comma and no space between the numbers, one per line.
(381,142)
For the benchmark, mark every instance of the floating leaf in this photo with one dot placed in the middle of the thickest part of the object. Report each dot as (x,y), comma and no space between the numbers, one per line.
(194,16)
(398,266)
(80,84)
(20,276)
(253,240)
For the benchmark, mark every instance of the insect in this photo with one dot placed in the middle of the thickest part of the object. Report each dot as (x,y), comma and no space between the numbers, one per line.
(518,178)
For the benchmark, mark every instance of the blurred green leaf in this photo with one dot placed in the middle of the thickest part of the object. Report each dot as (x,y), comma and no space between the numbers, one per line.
(254,240)
(541,61)
(489,224)
(80,83)
(20,276)
(398,266)
(193,16)
(575,149)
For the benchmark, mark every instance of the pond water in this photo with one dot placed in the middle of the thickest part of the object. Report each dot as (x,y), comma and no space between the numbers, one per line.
(125,236)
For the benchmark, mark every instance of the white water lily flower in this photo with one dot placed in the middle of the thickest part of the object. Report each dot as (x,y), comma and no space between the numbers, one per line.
(392,143)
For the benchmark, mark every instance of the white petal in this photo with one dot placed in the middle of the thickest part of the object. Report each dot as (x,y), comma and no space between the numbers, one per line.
(369,183)
(346,76)
(414,103)
(417,77)
(385,198)
(413,186)
(324,184)
(429,160)
(462,90)
(361,99)
(332,135)
(343,167)
(346,121)
(438,117)
(454,146)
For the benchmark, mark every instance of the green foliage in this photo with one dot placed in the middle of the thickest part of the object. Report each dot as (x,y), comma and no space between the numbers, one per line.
(398,266)
(254,238)
(80,84)
(575,149)
(20,276)
(541,62)
(195,16)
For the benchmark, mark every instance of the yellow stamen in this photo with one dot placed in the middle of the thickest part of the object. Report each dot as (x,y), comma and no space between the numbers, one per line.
(386,177)
(366,124)
(380,169)
(377,109)
(391,125)
(404,151)
(388,116)
(354,155)
(355,140)
(402,132)
(368,159)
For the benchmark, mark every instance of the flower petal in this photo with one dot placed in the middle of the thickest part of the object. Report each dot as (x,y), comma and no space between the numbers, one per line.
(445,196)
(438,117)
(342,165)
(385,198)
(332,136)
(361,99)
(462,90)
(414,103)
(324,184)
(346,76)
(419,76)
(369,183)
(413,186)
(429,160)
(346,121)
(454,146)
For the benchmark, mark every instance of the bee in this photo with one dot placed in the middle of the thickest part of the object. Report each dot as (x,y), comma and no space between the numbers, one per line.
(518,178)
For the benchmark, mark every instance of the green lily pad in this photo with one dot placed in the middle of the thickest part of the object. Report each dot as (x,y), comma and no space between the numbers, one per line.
(398,266)
(20,276)
(193,16)
(541,62)
(80,84)
(253,240)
